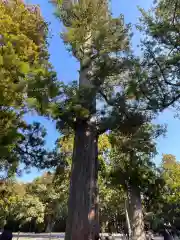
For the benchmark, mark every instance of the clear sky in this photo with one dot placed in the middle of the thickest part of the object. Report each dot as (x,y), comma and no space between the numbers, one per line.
(67,67)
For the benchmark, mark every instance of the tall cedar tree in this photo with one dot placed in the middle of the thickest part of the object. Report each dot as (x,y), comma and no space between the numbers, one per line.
(99,42)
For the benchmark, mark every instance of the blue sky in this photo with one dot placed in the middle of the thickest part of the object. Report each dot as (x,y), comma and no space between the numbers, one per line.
(67,67)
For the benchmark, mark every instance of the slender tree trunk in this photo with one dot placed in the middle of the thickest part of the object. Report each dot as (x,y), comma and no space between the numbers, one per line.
(82,222)
(136,214)
(50,225)
(128,219)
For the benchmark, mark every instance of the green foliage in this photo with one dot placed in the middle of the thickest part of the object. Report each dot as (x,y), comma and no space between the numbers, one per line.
(133,149)
(10,192)
(22,143)
(44,200)
(100,43)
(27,80)
(111,206)
(10,123)
(160,46)
(24,70)
(171,173)
(168,160)
(89,19)
(132,167)
(33,203)
(167,205)
(31,208)
(52,197)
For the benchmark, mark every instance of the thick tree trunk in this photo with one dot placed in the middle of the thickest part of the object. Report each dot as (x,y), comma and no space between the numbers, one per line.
(136,214)
(82,222)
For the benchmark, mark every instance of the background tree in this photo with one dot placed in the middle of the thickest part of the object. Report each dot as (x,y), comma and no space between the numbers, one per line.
(167,203)
(168,160)
(111,206)
(171,173)
(27,148)
(26,73)
(11,192)
(30,210)
(27,77)
(132,167)
(52,198)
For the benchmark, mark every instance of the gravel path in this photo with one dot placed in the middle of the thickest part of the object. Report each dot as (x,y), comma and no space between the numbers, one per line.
(53,236)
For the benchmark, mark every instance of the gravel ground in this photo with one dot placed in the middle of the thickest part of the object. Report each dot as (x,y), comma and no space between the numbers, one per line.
(53,236)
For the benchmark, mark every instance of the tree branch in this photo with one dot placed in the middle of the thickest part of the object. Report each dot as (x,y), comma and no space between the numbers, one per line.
(160,68)
(171,102)
(108,101)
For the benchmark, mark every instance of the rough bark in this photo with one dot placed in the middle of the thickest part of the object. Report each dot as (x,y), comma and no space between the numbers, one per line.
(82,222)
(136,214)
